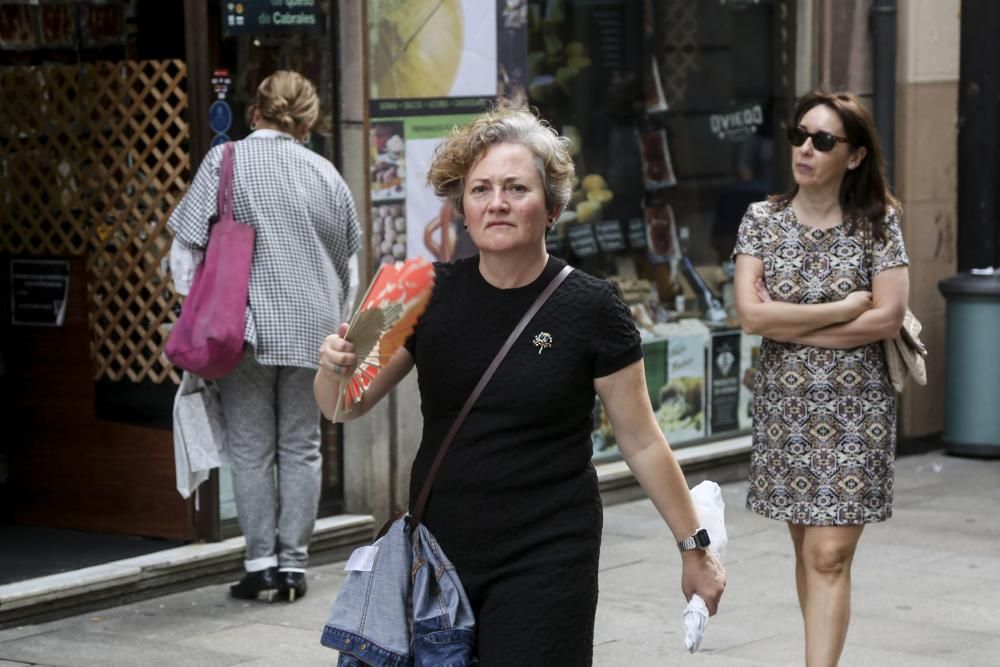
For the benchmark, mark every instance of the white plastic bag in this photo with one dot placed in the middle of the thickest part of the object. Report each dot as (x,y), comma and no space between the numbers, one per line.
(707,499)
(199,433)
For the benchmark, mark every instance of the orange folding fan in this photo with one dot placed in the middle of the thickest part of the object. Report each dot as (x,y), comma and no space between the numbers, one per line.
(386,317)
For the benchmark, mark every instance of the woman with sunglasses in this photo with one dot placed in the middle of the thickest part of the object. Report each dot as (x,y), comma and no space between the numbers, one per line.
(821,275)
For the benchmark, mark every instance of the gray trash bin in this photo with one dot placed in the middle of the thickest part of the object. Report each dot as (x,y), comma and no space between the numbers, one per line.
(972,383)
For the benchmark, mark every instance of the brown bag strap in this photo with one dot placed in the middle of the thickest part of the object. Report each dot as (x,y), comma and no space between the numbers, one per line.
(418,511)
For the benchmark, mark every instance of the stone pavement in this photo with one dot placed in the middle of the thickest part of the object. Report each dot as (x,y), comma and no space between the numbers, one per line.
(926,594)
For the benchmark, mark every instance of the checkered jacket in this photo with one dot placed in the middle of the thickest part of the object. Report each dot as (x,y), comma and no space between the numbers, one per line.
(306,228)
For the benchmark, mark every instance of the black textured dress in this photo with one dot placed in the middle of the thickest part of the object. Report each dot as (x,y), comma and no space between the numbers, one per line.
(515,505)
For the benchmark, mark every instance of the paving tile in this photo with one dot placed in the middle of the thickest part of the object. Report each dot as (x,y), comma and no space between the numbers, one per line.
(926,594)
(986,654)
(280,644)
(929,639)
(74,648)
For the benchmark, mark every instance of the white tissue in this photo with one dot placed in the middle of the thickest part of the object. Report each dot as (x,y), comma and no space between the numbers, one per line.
(695,618)
(707,499)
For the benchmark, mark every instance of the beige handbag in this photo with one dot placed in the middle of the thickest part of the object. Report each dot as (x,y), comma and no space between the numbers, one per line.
(904,353)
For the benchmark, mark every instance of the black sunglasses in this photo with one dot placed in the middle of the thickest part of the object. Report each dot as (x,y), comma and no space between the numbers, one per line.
(822,141)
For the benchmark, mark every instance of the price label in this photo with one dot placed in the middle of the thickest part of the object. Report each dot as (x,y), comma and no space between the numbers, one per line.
(609,235)
(582,240)
(637,233)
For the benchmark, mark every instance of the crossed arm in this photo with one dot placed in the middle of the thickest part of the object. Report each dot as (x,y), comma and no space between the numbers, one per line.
(858,319)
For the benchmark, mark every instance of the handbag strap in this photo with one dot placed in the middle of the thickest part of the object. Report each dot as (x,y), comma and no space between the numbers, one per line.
(225,204)
(418,511)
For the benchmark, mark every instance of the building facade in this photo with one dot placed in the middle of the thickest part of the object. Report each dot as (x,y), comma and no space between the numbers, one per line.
(676,112)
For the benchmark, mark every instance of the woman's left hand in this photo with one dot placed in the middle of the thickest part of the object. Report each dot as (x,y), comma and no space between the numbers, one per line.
(703,574)
(762,292)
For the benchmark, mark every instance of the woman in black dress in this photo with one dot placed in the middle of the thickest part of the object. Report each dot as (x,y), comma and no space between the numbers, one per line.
(821,275)
(515,505)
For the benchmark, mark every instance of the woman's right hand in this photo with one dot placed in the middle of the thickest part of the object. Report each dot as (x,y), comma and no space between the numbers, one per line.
(336,355)
(856,303)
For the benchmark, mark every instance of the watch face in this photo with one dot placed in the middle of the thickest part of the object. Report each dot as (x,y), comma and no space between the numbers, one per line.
(702,539)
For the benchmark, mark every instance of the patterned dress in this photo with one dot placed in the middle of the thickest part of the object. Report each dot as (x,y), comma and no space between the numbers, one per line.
(824,431)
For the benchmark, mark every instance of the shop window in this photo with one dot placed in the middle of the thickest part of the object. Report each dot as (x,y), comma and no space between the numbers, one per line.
(674,110)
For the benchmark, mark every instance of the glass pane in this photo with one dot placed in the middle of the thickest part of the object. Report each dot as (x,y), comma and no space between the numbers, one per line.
(674,110)
(252,57)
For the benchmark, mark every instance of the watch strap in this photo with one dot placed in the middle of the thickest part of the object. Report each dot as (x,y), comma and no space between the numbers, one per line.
(698,540)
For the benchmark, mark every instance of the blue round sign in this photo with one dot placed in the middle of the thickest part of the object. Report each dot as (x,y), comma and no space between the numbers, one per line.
(219,139)
(220,116)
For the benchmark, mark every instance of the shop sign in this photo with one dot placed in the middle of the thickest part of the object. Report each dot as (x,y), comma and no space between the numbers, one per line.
(38,292)
(269,16)
(609,235)
(738,124)
(724,383)
(428,106)
(220,116)
(428,50)
(221,83)
(582,240)
(408,219)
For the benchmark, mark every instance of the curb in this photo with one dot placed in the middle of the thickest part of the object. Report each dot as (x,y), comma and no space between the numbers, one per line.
(151,575)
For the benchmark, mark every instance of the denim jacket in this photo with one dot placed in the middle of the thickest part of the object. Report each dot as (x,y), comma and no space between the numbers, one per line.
(370,622)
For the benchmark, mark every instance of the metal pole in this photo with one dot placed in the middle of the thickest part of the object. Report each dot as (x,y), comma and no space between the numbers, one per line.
(883,20)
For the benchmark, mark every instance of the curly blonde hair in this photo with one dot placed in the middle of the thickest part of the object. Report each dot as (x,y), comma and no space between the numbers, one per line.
(467,145)
(287,100)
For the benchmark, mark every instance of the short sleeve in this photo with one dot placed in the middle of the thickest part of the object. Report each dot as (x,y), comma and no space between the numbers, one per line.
(619,343)
(348,237)
(190,218)
(352,230)
(890,252)
(751,239)
(442,274)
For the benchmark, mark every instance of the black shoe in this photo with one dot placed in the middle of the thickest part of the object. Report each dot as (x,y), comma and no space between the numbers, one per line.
(292,585)
(254,583)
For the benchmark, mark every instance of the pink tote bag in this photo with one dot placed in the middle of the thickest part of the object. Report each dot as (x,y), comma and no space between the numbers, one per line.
(207,339)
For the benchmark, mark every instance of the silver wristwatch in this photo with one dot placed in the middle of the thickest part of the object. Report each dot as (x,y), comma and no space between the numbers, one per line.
(699,540)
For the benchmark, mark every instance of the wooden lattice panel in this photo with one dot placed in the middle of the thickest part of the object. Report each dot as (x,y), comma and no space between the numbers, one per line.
(140,170)
(42,143)
(94,158)
(679,28)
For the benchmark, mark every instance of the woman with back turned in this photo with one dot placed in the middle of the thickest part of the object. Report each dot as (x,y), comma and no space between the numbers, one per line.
(302,283)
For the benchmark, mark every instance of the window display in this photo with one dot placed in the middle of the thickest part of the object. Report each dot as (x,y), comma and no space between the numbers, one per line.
(671,109)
